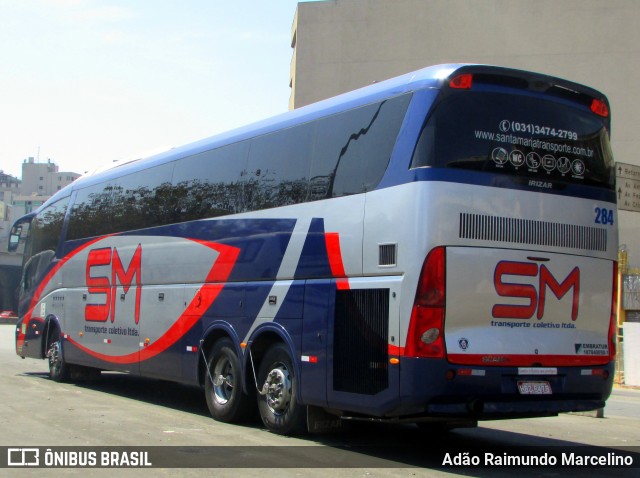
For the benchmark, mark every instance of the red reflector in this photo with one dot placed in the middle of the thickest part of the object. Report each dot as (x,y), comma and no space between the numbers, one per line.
(462,82)
(600,108)
(426,326)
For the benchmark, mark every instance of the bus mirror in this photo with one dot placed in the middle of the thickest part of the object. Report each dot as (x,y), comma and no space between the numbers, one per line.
(14,238)
(20,229)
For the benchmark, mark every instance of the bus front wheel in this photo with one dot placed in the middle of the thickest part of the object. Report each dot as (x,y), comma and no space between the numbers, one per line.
(278,398)
(58,368)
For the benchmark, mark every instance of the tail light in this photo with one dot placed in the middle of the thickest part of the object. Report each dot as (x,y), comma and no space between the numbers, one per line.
(613,323)
(462,82)
(600,108)
(425,337)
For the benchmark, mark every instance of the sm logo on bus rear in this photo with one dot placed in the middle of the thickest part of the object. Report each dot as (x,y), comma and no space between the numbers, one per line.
(105,271)
(532,289)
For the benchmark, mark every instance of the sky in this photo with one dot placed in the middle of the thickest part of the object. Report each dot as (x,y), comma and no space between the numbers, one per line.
(88,82)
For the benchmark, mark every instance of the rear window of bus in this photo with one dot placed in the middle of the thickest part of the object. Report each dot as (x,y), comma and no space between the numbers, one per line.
(518,135)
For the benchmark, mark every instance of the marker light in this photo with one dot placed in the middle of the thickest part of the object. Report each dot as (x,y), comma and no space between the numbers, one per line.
(462,82)
(600,108)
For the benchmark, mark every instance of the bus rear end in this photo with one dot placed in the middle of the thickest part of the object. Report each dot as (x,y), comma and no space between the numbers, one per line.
(514,307)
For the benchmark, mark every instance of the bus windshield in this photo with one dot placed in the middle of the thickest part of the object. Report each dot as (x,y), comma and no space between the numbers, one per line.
(518,135)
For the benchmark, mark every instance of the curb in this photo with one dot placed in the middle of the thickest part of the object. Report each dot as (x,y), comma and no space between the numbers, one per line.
(598,413)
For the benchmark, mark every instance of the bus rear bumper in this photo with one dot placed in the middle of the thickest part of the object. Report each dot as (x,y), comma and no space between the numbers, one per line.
(490,410)
(431,389)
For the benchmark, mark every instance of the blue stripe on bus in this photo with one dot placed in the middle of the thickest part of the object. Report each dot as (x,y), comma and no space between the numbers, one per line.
(314,260)
(395,177)
(262,242)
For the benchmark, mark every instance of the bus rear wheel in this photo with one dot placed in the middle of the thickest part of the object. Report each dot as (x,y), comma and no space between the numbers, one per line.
(58,368)
(278,399)
(223,385)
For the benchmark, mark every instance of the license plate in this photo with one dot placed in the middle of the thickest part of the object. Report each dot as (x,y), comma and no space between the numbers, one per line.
(534,388)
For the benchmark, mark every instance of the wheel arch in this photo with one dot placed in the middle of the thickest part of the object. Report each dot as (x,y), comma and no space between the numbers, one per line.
(51,323)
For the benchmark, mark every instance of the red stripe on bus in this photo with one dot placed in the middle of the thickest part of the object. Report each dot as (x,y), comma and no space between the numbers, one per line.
(332,241)
(203,299)
(527,360)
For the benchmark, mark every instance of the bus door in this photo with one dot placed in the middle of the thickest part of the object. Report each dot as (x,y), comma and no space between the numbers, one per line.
(37,279)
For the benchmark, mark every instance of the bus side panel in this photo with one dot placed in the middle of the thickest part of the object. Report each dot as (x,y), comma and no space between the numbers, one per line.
(318,302)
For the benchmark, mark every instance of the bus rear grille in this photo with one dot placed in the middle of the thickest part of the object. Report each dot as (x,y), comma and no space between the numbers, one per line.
(360,341)
(526,231)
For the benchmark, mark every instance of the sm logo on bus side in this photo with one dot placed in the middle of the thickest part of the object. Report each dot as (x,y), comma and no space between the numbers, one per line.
(534,291)
(106,284)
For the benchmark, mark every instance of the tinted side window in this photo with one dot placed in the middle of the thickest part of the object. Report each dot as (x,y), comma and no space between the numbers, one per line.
(91,211)
(42,243)
(343,154)
(134,201)
(278,169)
(352,149)
(209,184)
(46,227)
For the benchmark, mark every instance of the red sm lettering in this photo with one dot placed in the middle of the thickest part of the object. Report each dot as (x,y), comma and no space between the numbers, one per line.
(536,297)
(105,285)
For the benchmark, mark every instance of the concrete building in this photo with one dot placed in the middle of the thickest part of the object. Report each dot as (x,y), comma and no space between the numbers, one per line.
(341,45)
(9,263)
(44,179)
(9,191)
(17,198)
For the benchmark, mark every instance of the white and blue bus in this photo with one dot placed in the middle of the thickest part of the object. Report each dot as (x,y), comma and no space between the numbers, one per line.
(439,247)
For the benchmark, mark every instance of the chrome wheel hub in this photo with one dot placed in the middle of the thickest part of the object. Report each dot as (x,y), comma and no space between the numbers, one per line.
(223,381)
(278,389)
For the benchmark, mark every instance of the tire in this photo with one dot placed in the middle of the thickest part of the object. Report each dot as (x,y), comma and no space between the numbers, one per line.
(59,370)
(278,402)
(225,398)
